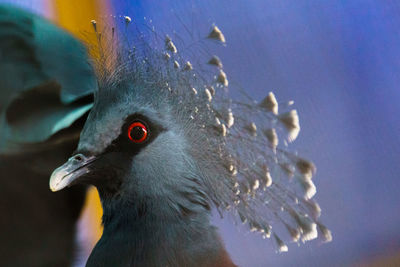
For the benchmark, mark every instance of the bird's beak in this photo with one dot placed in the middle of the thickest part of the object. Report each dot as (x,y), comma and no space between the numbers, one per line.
(65,175)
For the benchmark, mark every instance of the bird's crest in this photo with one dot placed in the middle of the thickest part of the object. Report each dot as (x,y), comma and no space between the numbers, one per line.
(239,144)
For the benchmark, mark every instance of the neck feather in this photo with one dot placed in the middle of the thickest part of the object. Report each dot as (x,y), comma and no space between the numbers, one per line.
(157,235)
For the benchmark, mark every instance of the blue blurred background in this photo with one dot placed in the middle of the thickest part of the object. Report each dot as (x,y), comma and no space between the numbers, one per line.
(340,62)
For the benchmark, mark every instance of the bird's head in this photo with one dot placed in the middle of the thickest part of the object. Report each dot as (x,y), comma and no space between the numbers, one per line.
(140,144)
(129,149)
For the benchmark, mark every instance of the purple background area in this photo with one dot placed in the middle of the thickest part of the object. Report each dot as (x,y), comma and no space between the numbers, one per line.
(339,61)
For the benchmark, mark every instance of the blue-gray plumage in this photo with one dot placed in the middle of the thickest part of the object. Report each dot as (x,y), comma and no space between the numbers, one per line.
(156,208)
(46,83)
(164,144)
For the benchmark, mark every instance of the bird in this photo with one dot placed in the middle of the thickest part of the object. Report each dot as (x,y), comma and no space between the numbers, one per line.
(165,143)
(46,92)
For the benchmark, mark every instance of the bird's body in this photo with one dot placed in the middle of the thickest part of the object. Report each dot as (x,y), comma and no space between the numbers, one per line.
(164,145)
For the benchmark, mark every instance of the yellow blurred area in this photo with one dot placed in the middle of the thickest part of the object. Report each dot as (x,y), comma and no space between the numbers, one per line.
(75,16)
(91,216)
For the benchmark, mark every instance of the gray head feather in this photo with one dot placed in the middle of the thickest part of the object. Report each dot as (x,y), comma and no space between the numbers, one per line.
(218,150)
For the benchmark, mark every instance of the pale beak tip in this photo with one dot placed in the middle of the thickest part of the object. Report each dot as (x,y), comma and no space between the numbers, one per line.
(53,189)
(58,179)
(53,184)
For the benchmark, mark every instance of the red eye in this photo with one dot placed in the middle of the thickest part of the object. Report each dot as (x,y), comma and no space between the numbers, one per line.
(137,132)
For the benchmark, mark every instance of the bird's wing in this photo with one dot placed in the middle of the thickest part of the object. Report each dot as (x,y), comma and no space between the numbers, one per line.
(46,80)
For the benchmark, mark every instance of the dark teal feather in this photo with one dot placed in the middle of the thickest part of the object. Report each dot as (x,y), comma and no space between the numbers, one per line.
(46,86)
(45,73)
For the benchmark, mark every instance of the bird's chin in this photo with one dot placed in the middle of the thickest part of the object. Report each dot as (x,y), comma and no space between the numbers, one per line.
(71,172)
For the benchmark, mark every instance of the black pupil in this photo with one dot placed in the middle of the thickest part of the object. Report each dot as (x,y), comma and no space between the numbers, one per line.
(137,133)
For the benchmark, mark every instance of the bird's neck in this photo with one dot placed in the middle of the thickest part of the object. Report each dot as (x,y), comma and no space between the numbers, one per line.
(156,237)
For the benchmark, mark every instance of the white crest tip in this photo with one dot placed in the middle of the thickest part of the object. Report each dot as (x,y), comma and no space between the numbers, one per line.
(127,19)
(270,103)
(188,66)
(216,34)
(222,79)
(290,121)
(215,61)
(282,247)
